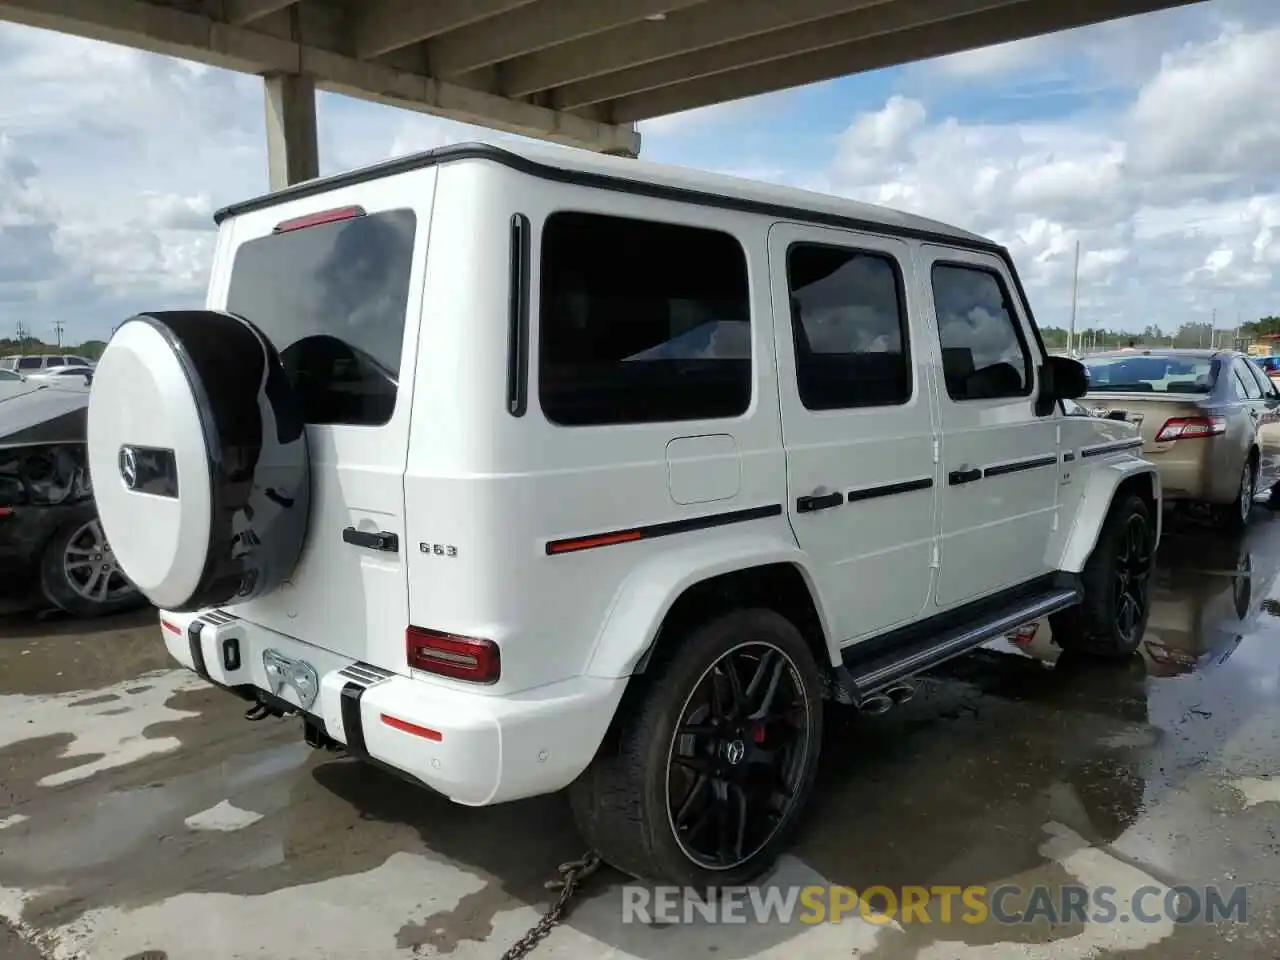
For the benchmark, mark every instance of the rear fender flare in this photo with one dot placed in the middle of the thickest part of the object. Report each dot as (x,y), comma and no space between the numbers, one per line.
(1094,502)
(648,594)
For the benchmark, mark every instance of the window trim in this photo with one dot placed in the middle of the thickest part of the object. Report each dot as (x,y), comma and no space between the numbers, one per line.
(1246,377)
(1029,364)
(904,323)
(587,210)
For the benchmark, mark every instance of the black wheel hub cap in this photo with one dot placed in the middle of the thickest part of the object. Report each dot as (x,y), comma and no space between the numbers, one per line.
(737,756)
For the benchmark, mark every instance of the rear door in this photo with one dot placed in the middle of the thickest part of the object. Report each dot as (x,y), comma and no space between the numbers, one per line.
(857,420)
(336,284)
(1268,420)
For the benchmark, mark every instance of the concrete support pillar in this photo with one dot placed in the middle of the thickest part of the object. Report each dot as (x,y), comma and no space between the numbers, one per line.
(293,155)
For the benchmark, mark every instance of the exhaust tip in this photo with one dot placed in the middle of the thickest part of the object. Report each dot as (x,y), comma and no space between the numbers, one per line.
(901,693)
(876,704)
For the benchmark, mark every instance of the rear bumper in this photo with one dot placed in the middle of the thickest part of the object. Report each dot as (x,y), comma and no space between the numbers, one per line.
(1202,472)
(475,749)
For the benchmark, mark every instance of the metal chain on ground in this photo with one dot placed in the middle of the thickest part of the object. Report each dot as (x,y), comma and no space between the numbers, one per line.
(571,875)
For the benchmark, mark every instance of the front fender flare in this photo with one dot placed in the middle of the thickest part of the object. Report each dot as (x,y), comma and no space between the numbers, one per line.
(648,594)
(1093,501)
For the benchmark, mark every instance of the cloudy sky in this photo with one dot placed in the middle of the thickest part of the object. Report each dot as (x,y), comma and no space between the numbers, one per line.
(1154,141)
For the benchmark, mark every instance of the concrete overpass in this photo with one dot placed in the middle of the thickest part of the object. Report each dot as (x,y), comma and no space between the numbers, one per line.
(578,72)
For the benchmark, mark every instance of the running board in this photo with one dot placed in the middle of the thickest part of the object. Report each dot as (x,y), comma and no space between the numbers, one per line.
(871,666)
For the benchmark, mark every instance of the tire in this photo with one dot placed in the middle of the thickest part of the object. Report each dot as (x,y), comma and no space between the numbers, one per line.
(199,457)
(1099,626)
(625,802)
(79,574)
(1236,517)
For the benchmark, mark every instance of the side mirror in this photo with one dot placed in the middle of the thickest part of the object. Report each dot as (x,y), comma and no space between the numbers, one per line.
(1061,378)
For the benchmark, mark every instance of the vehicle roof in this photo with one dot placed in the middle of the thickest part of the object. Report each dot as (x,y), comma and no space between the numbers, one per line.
(642,176)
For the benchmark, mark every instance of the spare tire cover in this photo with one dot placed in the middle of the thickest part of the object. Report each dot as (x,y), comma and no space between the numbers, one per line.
(199,459)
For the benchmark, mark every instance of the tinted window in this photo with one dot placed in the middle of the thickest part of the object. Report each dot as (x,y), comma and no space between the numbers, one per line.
(332,299)
(1249,387)
(9,375)
(1264,382)
(76,361)
(849,326)
(983,354)
(1151,374)
(641,322)
(29,363)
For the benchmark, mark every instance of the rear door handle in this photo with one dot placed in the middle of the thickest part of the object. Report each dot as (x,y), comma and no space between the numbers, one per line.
(819,502)
(964,475)
(373,539)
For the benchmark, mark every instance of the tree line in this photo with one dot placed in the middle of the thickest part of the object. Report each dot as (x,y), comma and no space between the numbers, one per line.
(90,349)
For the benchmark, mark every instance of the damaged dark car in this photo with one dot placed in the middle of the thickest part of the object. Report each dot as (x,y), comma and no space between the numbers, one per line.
(52,548)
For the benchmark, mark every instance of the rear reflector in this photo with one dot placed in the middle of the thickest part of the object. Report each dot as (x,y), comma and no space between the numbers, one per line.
(1191,428)
(449,655)
(316,219)
(426,733)
(171,627)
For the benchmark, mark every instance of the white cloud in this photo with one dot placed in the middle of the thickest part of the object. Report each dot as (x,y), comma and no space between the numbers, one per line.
(1161,164)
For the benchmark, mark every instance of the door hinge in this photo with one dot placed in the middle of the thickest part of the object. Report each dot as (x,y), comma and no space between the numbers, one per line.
(935,558)
(937,450)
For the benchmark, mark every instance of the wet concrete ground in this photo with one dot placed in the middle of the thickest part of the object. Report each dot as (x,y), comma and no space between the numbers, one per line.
(142,817)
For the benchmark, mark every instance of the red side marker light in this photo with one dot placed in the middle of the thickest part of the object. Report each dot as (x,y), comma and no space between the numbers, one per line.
(171,627)
(316,219)
(426,733)
(450,655)
(586,543)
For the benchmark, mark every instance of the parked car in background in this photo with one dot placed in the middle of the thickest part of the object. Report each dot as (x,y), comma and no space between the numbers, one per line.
(52,546)
(36,362)
(1200,413)
(74,377)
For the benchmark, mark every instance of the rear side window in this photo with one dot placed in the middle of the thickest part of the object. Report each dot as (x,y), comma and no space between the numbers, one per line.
(332,298)
(1249,387)
(641,322)
(849,325)
(76,361)
(984,356)
(29,363)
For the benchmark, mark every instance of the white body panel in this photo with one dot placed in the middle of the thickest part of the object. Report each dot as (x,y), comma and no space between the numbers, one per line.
(476,494)
(343,598)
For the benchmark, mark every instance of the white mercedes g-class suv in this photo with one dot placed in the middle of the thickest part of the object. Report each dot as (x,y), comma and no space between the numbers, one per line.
(520,469)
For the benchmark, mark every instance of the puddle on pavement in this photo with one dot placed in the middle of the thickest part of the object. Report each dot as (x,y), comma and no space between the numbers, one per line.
(955,787)
(61,655)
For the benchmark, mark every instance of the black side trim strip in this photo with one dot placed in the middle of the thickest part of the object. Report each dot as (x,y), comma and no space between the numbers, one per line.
(589,541)
(1106,448)
(352,724)
(518,317)
(197,649)
(1020,465)
(617,184)
(890,489)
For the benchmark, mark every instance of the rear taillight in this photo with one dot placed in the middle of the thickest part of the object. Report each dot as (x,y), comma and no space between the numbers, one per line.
(449,655)
(1191,428)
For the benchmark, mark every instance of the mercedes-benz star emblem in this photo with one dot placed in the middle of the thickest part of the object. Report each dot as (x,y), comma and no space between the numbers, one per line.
(129,467)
